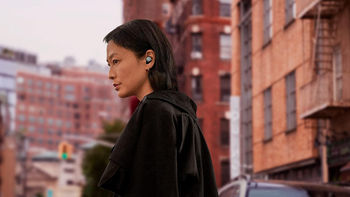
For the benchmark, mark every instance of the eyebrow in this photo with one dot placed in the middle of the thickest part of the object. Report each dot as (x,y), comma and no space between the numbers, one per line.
(111,55)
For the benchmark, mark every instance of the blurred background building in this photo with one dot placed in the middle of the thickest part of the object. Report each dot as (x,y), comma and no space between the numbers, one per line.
(200,34)
(290,68)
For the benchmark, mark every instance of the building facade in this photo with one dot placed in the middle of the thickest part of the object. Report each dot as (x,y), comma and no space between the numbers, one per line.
(7,116)
(288,68)
(70,102)
(200,34)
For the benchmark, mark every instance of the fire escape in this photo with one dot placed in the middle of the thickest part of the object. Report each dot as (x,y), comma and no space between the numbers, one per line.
(325,96)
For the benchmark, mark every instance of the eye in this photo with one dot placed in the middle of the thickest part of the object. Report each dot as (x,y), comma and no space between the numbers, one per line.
(115,61)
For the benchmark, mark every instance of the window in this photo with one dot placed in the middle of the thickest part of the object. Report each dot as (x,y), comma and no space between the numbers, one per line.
(22,118)
(50,121)
(59,132)
(69,88)
(41,120)
(68,124)
(197,88)
(225,88)
(21,97)
(77,116)
(59,123)
(197,7)
(39,83)
(31,129)
(196,46)
(291,107)
(267,21)
(70,97)
(225,172)
(290,11)
(225,8)
(48,85)
(338,73)
(29,82)
(50,131)
(268,114)
(31,119)
(40,130)
(225,46)
(225,132)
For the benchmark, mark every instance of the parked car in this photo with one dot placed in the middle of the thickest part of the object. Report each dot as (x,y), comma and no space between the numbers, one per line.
(242,187)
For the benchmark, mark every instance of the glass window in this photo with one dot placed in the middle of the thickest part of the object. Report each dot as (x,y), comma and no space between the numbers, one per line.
(225,172)
(290,10)
(21,117)
(267,20)
(50,121)
(196,46)
(277,192)
(31,129)
(41,120)
(225,46)
(268,113)
(225,88)
(291,101)
(197,7)
(197,88)
(338,73)
(32,119)
(69,88)
(39,83)
(225,132)
(225,8)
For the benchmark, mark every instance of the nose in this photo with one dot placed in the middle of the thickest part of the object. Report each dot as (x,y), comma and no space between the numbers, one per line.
(111,75)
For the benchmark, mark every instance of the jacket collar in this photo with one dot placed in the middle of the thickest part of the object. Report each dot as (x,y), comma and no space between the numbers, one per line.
(176,98)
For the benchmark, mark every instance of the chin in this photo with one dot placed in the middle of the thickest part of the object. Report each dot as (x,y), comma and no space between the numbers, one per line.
(123,95)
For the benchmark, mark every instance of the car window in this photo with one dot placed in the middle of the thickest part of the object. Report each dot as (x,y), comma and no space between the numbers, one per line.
(277,192)
(231,192)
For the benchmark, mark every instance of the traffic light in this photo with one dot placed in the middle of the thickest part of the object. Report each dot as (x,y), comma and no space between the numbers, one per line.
(65,150)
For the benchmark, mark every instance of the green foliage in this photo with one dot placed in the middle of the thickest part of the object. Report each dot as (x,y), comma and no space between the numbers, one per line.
(96,160)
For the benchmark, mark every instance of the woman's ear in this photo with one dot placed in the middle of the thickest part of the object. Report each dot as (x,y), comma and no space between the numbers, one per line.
(149,58)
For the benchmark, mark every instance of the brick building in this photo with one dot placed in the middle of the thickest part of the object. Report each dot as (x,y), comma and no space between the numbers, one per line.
(69,101)
(199,32)
(289,66)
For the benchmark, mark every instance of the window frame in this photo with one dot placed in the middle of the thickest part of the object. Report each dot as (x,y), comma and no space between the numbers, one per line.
(197,88)
(267,17)
(225,92)
(224,47)
(291,123)
(268,114)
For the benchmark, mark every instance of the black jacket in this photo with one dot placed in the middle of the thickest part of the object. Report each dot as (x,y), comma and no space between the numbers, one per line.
(161,152)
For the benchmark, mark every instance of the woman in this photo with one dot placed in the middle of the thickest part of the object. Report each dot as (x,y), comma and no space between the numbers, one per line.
(162,151)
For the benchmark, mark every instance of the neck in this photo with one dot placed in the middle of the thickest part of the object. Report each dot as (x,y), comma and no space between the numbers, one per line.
(146,90)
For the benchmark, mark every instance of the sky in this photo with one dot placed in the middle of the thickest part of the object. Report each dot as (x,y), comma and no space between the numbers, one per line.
(55,29)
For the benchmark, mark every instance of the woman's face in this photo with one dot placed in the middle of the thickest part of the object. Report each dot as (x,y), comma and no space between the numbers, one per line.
(128,72)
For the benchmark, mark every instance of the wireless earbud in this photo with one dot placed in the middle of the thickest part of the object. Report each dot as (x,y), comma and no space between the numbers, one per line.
(148,60)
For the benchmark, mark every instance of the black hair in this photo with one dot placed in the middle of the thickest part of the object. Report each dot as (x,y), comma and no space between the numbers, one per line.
(141,35)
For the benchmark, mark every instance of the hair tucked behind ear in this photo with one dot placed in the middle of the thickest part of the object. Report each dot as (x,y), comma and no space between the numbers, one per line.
(142,35)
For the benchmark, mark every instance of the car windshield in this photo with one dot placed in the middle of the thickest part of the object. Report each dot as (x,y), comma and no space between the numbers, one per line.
(292,192)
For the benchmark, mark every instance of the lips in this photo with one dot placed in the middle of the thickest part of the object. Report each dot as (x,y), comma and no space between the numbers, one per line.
(116,86)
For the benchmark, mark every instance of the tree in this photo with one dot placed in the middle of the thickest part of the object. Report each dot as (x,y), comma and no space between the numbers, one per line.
(96,160)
